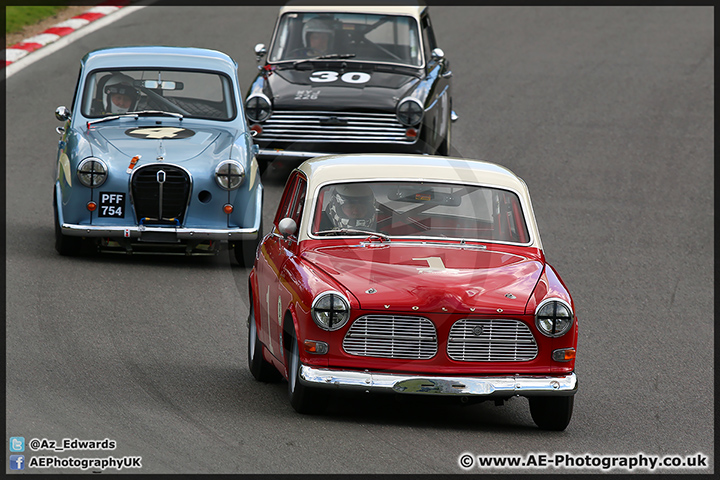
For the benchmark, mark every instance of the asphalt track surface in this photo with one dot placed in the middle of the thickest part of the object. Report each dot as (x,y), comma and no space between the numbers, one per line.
(607,114)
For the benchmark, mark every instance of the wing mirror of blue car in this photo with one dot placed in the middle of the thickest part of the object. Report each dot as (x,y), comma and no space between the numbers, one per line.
(62,114)
(287,227)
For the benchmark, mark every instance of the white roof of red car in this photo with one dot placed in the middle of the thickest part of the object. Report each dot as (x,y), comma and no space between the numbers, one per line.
(371,167)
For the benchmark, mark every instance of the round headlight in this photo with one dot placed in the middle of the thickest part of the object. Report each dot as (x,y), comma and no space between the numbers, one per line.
(92,172)
(410,111)
(330,310)
(257,108)
(229,174)
(553,318)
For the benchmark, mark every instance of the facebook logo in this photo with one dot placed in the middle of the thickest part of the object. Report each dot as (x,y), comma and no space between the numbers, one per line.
(17,444)
(17,462)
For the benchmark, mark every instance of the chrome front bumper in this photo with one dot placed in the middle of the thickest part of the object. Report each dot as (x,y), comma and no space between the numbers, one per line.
(136,232)
(523,385)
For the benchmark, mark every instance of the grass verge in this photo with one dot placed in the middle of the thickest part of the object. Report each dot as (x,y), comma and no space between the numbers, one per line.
(18,17)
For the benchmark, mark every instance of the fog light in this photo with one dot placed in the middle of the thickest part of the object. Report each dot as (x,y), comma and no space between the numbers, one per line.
(228,208)
(318,348)
(563,354)
(411,133)
(92,206)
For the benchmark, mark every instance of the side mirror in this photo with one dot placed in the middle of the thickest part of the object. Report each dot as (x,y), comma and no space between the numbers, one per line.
(287,227)
(438,53)
(62,114)
(260,51)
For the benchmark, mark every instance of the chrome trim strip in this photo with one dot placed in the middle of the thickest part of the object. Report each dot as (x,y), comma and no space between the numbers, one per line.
(525,385)
(274,152)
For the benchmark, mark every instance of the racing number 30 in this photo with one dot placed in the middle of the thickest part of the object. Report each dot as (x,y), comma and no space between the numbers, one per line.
(347,77)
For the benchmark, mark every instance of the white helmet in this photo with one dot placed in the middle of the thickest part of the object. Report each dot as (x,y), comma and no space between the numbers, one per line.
(122,84)
(317,25)
(352,195)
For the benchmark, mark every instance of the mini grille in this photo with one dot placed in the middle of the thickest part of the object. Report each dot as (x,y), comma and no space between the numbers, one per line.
(296,126)
(390,336)
(160,202)
(491,341)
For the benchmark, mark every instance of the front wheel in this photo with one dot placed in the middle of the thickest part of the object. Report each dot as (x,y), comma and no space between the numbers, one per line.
(245,250)
(303,399)
(551,413)
(65,244)
(260,368)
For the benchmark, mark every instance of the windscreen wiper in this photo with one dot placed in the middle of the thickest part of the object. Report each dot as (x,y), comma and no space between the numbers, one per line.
(329,56)
(354,231)
(135,116)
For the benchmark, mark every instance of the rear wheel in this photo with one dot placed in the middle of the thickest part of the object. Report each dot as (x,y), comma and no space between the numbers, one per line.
(65,244)
(260,368)
(551,413)
(303,399)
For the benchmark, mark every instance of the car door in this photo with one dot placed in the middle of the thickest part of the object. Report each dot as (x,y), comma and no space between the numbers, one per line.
(273,297)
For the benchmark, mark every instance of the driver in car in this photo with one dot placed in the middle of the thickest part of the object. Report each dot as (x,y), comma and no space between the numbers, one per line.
(317,37)
(351,206)
(120,95)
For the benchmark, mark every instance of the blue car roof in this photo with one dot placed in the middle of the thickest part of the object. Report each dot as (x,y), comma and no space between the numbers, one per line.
(160,56)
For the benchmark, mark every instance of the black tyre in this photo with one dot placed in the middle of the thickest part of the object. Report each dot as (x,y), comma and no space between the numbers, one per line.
(444,148)
(303,399)
(65,244)
(260,368)
(551,413)
(245,250)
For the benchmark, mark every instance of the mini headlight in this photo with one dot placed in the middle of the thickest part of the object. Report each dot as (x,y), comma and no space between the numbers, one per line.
(229,174)
(553,318)
(330,310)
(410,111)
(257,108)
(92,172)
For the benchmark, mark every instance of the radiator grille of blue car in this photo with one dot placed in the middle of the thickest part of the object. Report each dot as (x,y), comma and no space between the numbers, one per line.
(160,194)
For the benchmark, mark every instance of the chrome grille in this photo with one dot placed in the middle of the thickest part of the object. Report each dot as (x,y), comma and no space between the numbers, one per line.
(323,126)
(474,340)
(160,203)
(391,336)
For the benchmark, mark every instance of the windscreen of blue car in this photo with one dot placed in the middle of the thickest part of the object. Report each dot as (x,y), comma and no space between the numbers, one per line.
(188,93)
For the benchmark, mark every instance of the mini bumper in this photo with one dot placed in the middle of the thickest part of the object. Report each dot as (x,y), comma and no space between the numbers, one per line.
(523,385)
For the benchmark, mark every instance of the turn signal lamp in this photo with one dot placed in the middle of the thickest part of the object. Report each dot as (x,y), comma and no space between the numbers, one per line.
(228,208)
(92,206)
(318,348)
(563,354)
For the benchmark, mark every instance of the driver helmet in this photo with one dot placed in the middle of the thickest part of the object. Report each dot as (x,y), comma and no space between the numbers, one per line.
(122,84)
(317,25)
(352,206)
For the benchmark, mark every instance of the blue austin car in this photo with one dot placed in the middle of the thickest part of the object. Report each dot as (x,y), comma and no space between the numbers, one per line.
(155,156)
